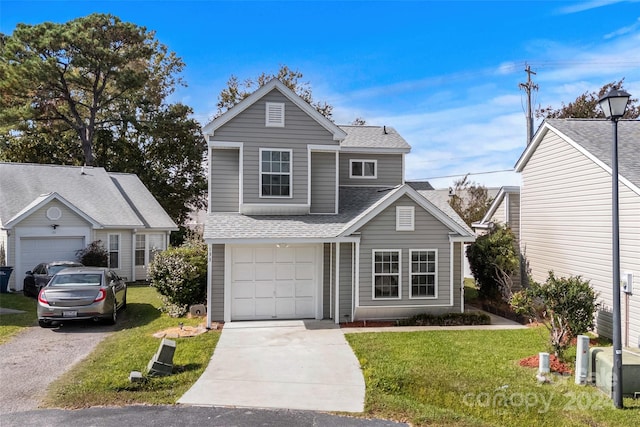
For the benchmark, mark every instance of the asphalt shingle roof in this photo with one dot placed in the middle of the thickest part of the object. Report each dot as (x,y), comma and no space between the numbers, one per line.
(354,203)
(373,137)
(92,190)
(596,137)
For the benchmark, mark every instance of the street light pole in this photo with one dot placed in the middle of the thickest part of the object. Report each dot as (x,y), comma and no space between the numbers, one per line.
(613,105)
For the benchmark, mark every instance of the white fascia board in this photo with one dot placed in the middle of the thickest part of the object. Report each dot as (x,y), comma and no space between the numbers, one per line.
(43,200)
(496,202)
(461,239)
(287,240)
(528,152)
(377,150)
(211,127)
(225,144)
(325,148)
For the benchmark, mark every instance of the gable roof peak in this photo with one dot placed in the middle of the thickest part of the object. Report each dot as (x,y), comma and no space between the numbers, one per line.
(274,84)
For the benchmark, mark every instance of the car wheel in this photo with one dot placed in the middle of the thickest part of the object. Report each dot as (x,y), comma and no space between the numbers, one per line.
(45,324)
(25,292)
(114,315)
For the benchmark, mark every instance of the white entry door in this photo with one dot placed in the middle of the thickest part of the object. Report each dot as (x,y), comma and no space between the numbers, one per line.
(274,281)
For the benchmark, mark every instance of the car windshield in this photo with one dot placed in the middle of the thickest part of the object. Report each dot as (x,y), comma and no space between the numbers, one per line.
(55,268)
(91,279)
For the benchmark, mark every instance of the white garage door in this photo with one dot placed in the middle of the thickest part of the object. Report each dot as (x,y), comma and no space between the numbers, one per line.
(271,282)
(33,250)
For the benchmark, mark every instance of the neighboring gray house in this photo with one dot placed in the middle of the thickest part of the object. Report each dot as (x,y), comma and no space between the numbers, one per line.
(565,210)
(49,212)
(307,219)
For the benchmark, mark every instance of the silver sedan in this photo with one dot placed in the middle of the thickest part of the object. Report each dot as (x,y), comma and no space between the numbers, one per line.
(82,293)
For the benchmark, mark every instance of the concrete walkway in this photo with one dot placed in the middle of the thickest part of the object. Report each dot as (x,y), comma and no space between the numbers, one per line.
(305,365)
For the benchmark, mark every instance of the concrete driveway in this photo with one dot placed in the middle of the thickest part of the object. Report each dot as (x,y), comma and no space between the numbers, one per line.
(305,365)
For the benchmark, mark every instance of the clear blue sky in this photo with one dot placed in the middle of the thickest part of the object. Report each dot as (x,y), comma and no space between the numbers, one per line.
(444,74)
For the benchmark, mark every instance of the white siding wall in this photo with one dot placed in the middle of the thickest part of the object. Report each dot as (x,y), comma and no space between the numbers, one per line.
(566,225)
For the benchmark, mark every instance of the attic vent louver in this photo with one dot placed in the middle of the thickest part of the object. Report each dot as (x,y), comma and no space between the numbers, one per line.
(274,114)
(405,218)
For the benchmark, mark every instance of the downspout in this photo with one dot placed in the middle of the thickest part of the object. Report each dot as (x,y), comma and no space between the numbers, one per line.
(133,254)
(331,245)
(451,252)
(462,256)
(357,284)
(209,284)
(353,279)
(337,296)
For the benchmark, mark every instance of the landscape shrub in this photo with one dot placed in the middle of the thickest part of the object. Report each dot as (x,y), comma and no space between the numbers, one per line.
(447,319)
(566,306)
(180,276)
(492,257)
(94,255)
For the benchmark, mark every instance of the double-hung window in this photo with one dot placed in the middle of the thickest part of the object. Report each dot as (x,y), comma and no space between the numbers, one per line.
(114,250)
(386,274)
(423,273)
(275,173)
(140,249)
(363,169)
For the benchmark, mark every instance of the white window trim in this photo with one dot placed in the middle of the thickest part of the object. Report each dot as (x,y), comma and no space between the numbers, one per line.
(373,274)
(290,151)
(411,274)
(399,214)
(119,251)
(267,116)
(363,161)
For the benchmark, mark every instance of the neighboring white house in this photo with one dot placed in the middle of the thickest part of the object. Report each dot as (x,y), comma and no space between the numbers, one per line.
(565,212)
(49,212)
(307,219)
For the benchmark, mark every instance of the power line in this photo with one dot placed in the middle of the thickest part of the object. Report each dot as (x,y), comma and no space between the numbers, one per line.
(464,174)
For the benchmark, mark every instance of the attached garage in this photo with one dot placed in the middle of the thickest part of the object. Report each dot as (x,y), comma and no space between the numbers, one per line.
(35,250)
(275,281)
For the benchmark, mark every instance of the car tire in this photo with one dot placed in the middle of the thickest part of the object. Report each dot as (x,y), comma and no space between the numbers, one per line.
(124,303)
(45,324)
(25,292)
(114,316)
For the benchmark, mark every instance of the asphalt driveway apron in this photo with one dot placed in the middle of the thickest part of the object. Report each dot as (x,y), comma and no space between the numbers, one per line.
(304,365)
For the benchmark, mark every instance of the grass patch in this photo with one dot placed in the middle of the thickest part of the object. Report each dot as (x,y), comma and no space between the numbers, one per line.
(472,378)
(11,324)
(470,291)
(103,377)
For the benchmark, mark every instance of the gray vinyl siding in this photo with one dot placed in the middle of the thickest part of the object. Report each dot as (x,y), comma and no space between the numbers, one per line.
(126,248)
(514,213)
(566,225)
(508,213)
(225,178)
(323,182)
(327,280)
(389,169)
(299,131)
(217,282)
(39,218)
(380,233)
(346,282)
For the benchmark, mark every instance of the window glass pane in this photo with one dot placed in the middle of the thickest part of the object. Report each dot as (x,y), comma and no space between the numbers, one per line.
(285,156)
(275,156)
(285,167)
(266,167)
(369,169)
(356,169)
(266,156)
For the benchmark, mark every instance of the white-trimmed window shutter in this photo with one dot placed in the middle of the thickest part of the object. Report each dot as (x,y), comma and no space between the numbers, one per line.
(274,114)
(405,218)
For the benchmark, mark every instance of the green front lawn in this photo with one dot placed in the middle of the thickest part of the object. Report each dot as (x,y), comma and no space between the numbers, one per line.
(11,324)
(472,378)
(103,377)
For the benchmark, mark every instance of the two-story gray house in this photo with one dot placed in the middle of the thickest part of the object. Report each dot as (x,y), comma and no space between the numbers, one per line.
(308,219)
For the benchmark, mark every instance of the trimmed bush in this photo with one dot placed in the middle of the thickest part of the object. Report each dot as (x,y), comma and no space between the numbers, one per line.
(491,258)
(566,306)
(180,276)
(448,319)
(94,255)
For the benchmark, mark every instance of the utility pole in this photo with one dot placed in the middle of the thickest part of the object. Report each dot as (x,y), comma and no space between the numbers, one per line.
(528,87)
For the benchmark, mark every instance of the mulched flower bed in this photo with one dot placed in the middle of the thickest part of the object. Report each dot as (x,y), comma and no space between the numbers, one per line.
(554,364)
